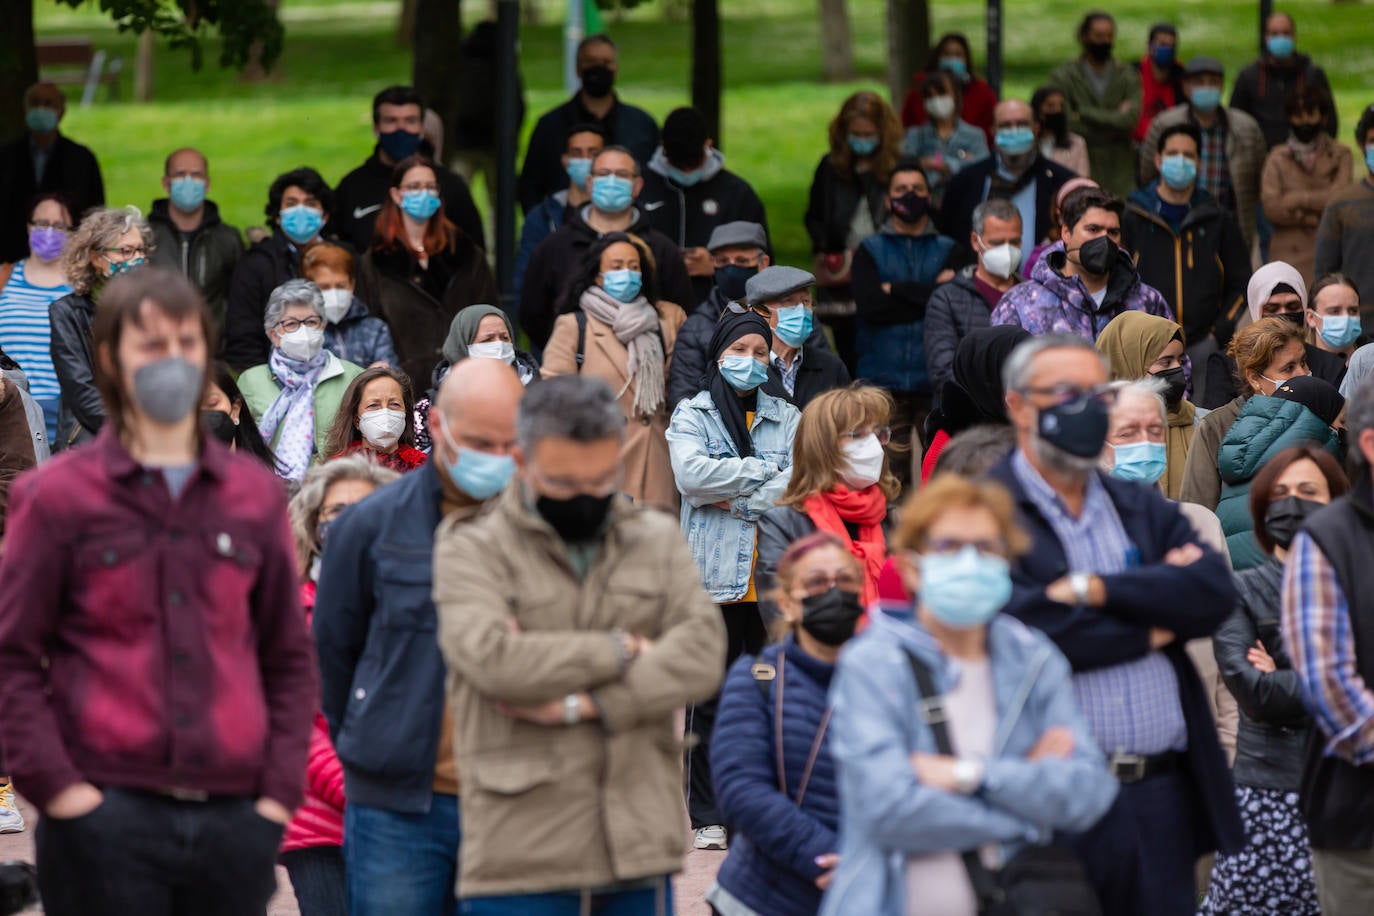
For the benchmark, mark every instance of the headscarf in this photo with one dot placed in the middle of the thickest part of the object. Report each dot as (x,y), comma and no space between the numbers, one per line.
(731,327)
(1263,281)
(464,328)
(293,411)
(634,324)
(974,393)
(1316,395)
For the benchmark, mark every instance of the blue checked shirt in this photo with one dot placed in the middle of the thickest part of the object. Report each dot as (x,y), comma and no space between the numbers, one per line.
(788,373)
(1133,707)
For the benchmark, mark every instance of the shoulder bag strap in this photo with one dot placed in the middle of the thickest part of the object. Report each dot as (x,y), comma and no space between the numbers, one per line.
(581,338)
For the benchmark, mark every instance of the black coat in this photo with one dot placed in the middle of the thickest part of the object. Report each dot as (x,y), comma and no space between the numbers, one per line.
(1221,375)
(833,202)
(542,173)
(360,194)
(820,371)
(264,267)
(208,257)
(83,412)
(968,189)
(71,169)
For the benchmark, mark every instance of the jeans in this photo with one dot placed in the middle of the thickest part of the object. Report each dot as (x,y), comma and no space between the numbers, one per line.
(51,408)
(402,864)
(317,877)
(650,901)
(155,856)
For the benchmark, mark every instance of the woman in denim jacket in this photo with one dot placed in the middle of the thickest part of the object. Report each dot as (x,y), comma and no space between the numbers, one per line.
(731,451)
(1026,765)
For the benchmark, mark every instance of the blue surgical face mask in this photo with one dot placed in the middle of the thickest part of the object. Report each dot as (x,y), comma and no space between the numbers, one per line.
(954,65)
(420,205)
(743,373)
(623,285)
(1014,141)
(1142,462)
(187,193)
(863,146)
(1340,331)
(579,170)
(612,194)
(966,589)
(1205,98)
(1280,46)
(1162,55)
(1178,171)
(687,179)
(301,223)
(1369,158)
(794,325)
(42,120)
(480,475)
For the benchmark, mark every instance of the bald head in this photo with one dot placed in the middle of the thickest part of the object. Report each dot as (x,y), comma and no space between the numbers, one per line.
(186,161)
(1012,113)
(476,408)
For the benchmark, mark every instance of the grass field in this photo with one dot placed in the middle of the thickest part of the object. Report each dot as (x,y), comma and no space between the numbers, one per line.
(338,53)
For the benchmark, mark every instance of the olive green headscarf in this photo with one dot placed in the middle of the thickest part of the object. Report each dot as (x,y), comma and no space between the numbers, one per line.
(464,328)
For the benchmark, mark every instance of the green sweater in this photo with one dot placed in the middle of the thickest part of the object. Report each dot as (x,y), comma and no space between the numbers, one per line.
(260,389)
(1103,122)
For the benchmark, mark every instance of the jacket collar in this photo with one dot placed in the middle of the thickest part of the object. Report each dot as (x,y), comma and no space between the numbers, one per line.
(767,406)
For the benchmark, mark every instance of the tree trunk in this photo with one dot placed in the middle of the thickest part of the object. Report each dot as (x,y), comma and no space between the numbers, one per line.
(706,64)
(837,52)
(405,28)
(908,37)
(438,61)
(253,71)
(143,68)
(18,68)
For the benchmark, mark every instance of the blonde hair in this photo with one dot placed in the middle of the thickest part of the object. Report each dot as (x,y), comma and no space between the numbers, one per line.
(816,454)
(950,491)
(100,228)
(874,107)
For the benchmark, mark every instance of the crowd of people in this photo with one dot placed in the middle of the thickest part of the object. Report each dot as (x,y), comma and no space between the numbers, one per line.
(1009,551)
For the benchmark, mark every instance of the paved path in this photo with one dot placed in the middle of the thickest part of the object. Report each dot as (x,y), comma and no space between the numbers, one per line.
(688,887)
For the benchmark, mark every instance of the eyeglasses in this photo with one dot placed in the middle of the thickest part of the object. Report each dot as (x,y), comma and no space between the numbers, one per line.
(1064,394)
(563,488)
(988,547)
(884,434)
(744,308)
(49,224)
(819,583)
(128,252)
(290,325)
(407,188)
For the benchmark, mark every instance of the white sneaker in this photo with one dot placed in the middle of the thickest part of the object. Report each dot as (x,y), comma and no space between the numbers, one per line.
(11,821)
(710,838)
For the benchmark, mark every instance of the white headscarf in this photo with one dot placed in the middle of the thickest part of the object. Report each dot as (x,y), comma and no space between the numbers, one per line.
(1263,281)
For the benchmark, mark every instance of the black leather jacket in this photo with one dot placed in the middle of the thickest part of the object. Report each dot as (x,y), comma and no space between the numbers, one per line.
(83,412)
(1270,743)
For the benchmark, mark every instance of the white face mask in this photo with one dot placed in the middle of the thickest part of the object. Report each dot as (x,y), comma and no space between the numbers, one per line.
(336,303)
(940,106)
(503,350)
(302,344)
(382,428)
(864,458)
(1001,260)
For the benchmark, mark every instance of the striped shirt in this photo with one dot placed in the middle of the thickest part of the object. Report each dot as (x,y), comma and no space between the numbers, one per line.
(25,332)
(1133,707)
(1321,643)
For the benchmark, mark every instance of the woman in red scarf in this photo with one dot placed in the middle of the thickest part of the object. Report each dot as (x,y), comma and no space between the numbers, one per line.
(377,420)
(841,484)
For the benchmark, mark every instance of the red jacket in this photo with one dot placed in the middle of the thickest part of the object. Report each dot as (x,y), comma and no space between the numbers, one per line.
(148,642)
(979,102)
(318,822)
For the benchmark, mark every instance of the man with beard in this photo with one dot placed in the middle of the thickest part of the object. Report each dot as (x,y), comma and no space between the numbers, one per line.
(1118,579)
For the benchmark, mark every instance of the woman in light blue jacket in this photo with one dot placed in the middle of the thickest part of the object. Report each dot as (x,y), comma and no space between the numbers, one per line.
(1025,765)
(731,451)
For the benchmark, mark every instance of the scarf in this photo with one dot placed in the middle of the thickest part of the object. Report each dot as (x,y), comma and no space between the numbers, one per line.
(866,508)
(634,324)
(293,411)
(464,329)
(730,328)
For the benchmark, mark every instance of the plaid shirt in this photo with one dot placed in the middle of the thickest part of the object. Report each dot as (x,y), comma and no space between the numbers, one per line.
(1132,707)
(1317,632)
(1213,172)
(788,373)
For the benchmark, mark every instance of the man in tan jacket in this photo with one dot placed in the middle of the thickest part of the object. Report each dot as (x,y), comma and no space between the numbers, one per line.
(574,625)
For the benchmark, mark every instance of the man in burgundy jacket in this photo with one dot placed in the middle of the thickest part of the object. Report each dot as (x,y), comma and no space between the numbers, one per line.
(155,668)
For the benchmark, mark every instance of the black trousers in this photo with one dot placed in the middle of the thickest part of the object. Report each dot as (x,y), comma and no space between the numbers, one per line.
(745,635)
(318,878)
(145,854)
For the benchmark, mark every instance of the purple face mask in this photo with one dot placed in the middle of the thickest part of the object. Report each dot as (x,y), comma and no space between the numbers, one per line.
(47,243)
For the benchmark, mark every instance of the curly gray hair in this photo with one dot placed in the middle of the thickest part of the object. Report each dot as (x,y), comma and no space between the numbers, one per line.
(100,228)
(305,506)
(292,292)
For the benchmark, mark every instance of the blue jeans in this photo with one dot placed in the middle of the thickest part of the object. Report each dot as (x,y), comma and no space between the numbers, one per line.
(402,864)
(652,901)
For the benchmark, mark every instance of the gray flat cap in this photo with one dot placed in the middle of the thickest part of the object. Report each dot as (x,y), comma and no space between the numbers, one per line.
(1204,64)
(775,282)
(740,232)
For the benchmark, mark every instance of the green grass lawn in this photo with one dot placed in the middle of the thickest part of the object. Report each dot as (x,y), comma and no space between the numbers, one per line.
(316,109)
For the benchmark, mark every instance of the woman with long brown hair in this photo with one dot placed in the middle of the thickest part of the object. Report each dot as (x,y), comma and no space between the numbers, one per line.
(377,419)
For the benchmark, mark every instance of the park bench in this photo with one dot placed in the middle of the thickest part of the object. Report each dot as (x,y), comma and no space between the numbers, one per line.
(77,62)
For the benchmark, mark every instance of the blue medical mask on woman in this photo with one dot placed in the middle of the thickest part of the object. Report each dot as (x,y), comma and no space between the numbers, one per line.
(1142,462)
(420,205)
(794,325)
(301,223)
(623,285)
(1340,331)
(612,194)
(743,373)
(1014,141)
(1178,171)
(965,589)
(863,146)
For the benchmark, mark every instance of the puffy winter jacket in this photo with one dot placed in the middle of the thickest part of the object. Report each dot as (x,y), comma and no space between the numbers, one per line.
(954,309)
(361,339)
(208,257)
(1265,427)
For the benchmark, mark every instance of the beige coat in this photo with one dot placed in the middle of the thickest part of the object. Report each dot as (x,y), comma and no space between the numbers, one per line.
(565,807)
(648,468)
(1294,198)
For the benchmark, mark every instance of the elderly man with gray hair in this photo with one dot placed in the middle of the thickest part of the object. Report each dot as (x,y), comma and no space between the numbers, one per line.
(574,625)
(295,395)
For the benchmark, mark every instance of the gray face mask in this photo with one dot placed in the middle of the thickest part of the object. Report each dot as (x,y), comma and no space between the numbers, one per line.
(168,389)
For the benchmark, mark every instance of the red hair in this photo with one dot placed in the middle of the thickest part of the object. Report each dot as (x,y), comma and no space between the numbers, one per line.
(390,232)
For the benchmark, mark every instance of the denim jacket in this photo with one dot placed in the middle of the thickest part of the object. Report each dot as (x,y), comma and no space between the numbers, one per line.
(888,816)
(708,470)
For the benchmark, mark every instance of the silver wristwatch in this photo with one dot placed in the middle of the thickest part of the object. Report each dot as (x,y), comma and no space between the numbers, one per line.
(1080,583)
(572,709)
(968,775)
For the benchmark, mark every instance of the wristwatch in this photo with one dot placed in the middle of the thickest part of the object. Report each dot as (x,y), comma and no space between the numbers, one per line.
(572,709)
(1080,583)
(968,775)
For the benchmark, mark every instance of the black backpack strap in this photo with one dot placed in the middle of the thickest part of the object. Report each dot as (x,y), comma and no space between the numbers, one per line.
(581,337)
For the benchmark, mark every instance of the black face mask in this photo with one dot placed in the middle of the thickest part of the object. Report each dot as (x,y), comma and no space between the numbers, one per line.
(1057,123)
(220,425)
(1078,427)
(1097,256)
(1305,133)
(576,519)
(1099,51)
(597,81)
(1285,516)
(1297,318)
(1176,382)
(398,144)
(910,207)
(730,280)
(831,616)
